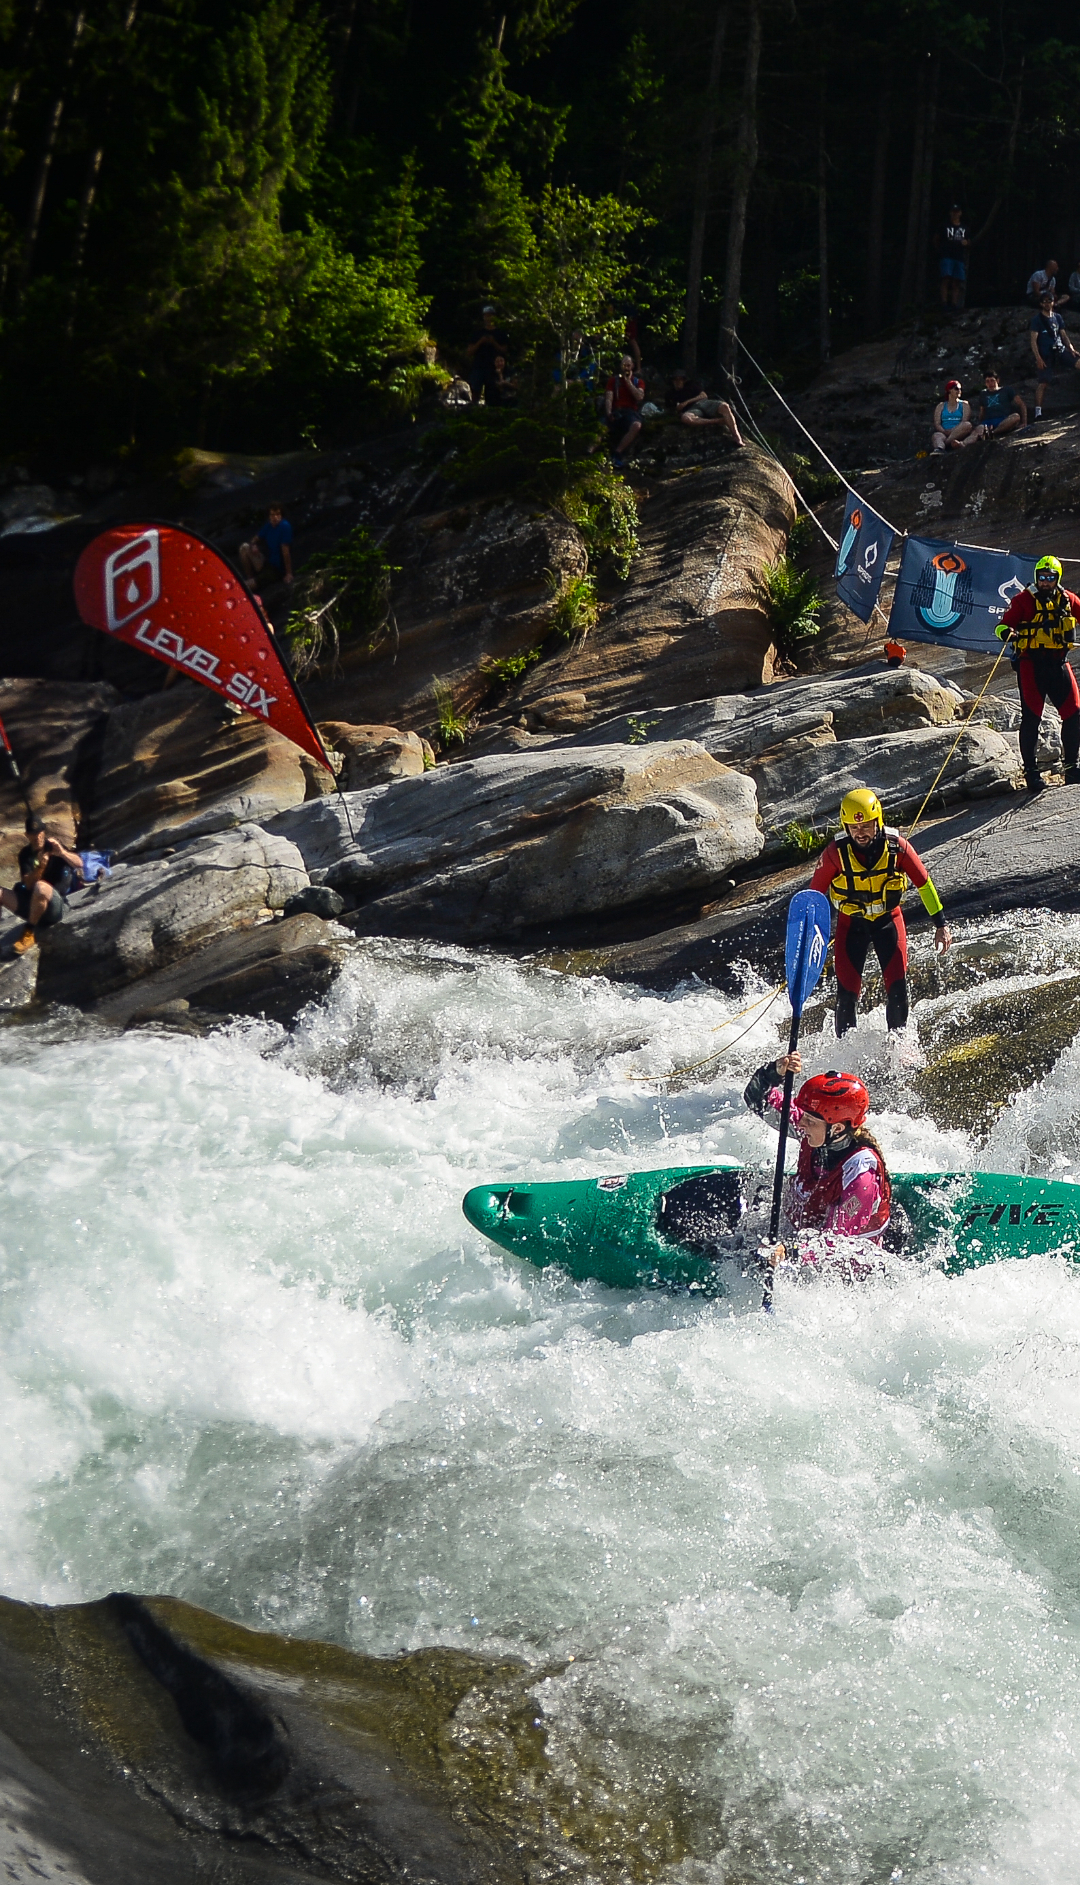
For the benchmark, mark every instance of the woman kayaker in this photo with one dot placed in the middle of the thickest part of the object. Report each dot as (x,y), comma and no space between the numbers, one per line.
(840,1187)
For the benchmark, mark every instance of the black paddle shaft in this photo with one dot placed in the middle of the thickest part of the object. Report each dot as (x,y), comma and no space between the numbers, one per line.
(785,1121)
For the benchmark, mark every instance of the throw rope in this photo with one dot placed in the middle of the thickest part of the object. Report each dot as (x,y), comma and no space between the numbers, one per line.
(956,742)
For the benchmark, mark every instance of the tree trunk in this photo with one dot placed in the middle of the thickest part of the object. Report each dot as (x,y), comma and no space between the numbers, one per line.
(907,272)
(41,182)
(877,212)
(926,203)
(702,177)
(89,192)
(745,165)
(16,83)
(825,343)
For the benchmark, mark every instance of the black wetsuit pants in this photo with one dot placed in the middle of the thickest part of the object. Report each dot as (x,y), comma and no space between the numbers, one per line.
(1042,676)
(854,935)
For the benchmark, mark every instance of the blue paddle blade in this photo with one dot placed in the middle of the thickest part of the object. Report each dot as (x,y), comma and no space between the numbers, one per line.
(808,925)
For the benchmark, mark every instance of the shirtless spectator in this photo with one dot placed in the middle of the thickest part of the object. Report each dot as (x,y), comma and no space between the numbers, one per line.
(1001,408)
(952,418)
(694,407)
(624,397)
(32,898)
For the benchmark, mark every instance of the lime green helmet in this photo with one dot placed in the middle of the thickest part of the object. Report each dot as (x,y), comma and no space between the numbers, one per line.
(1048,570)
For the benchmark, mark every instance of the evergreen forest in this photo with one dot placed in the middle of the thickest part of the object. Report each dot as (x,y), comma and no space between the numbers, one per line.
(259,223)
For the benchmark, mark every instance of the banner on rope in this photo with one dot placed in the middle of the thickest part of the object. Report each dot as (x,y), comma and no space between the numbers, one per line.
(952,593)
(865,542)
(169,593)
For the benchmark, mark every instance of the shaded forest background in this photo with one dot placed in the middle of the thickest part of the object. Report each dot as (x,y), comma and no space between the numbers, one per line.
(242,223)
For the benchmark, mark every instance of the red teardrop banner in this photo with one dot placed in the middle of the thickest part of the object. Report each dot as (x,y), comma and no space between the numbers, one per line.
(173,596)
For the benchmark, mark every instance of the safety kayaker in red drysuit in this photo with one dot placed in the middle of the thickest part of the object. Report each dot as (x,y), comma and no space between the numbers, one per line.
(840,1187)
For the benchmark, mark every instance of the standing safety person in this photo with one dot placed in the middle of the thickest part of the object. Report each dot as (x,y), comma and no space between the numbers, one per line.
(864,872)
(1040,624)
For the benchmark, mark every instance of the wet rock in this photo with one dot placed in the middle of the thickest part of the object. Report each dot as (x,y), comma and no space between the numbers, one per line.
(502,845)
(146,1742)
(272,971)
(178,763)
(317,900)
(982,1051)
(148,915)
(373,754)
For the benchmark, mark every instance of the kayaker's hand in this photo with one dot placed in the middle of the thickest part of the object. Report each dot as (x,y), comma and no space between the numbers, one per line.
(771,1255)
(943,939)
(789,1063)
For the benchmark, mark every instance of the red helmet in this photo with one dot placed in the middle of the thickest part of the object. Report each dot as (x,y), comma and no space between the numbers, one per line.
(840,1099)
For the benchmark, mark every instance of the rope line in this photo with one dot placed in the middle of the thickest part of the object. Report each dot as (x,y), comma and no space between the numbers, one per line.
(694,1066)
(912,827)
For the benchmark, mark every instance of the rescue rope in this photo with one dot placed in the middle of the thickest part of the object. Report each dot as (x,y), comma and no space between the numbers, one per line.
(959,737)
(694,1066)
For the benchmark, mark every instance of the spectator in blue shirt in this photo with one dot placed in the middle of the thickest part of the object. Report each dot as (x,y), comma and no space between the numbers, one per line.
(1001,408)
(269,547)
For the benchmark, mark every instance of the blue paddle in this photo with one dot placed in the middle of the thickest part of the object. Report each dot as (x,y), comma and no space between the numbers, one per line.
(808,925)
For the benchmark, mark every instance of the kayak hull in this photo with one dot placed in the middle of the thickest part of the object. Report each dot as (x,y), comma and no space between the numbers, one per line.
(677,1225)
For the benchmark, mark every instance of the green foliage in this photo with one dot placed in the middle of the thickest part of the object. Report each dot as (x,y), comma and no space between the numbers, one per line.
(801,536)
(576,607)
(803,838)
(571,265)
(512,667)
(343,594)
(453,727)
(793,600)
(545,453)
(639,729)
(604,509)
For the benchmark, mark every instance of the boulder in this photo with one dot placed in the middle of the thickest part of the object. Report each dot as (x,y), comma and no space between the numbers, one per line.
(272,971)
(373,754)
(150,914)
(178,764)
(802,781)
(557,711)
(509,843)
(316,900)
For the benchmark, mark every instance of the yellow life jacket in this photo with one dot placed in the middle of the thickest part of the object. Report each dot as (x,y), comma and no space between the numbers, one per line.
(1051,626)
(868,890)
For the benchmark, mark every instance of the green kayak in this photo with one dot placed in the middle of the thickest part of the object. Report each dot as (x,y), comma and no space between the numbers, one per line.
(678,1225)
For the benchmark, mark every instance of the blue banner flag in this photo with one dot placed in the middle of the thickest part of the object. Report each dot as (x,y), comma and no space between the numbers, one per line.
(865,542)
(951,593)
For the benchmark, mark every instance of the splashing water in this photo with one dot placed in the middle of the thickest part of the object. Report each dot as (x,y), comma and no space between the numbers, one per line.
(817,1577)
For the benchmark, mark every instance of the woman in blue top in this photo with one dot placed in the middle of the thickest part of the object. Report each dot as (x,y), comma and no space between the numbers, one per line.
(952,418)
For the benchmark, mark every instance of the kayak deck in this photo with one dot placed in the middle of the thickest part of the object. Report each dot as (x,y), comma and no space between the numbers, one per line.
(676,1225)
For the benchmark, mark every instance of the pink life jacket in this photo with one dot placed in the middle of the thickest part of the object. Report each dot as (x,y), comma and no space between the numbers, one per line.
(815,1196)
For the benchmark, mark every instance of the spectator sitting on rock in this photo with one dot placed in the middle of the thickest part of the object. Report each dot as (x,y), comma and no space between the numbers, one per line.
(63,868)
(486,343)
(1054,352)
(270,545)
(952,418)
(32,898)
(1043,282)
(1001,409)
(623,398)
(694,407)
(955,242)
(1074,284)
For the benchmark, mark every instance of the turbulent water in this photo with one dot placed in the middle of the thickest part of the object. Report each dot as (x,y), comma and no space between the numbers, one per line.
(803,1596)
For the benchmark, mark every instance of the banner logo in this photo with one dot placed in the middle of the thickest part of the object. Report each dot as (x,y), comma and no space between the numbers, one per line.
(942,596)
(132,577)
(847,544)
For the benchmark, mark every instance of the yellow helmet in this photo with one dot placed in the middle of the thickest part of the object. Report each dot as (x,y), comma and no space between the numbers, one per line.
(862,803)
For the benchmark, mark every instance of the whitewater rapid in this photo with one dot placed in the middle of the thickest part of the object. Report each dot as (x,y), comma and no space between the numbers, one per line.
(818,1576)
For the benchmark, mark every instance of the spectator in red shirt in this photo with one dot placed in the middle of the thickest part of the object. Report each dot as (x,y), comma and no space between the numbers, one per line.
(624,397)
